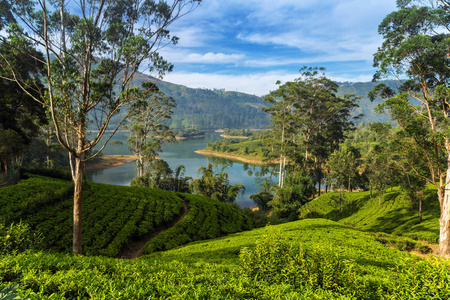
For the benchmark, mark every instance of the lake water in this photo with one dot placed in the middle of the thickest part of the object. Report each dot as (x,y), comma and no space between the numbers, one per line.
(182,153)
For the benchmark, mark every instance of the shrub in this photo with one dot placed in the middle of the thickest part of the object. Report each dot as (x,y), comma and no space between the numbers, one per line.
(275,260)
(6,293)
(18,238)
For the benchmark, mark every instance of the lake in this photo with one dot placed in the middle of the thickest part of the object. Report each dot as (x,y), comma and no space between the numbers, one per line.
(182,153)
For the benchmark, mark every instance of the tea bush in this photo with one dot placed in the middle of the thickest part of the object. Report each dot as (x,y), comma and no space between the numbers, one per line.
(394,215)
(17,238)
(206,219)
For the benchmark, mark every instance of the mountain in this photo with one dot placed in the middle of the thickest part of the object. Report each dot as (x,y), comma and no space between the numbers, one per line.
(366,106)
(217,109)
(212,109)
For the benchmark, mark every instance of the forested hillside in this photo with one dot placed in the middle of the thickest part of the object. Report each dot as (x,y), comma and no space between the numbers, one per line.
(211,109)
(366,107)
(216,109)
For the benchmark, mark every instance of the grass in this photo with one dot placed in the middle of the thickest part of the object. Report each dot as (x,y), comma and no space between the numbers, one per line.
(393,216)
(218,269)
(341,255)
(113,216)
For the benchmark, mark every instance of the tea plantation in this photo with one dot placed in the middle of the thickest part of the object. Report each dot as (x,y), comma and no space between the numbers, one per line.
(113,216)
(305,259)
(394,215)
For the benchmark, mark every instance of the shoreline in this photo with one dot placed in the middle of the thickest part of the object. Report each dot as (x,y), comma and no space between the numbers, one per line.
(233,157)
(108,161)
(189,137)
(234,137)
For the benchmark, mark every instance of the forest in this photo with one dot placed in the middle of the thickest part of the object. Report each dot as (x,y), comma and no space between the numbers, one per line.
(359,209)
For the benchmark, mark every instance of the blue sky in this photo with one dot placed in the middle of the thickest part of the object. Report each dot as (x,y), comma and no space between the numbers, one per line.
(247,45)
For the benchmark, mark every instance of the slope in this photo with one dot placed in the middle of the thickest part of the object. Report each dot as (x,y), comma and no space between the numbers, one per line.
(394,215)
(113,216)
(306,259)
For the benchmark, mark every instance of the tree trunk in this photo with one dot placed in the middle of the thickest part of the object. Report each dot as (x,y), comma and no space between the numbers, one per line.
(280,177)
(379,199)
(444,220)
(77,204)
(420,208)
(319,186)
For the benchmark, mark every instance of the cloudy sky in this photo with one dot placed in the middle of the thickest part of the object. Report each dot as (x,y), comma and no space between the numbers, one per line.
(247,45)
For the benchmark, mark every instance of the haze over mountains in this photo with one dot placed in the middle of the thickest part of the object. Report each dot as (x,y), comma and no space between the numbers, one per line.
(216,109)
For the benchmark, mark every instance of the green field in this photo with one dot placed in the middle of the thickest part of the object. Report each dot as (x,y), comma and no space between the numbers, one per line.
(306,259)
(114,216)
(394,215)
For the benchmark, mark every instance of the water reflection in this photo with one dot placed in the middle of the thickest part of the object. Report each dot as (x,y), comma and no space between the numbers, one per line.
(182,153)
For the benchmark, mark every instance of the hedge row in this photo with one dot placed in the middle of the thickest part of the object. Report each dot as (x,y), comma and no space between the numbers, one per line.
(206,219)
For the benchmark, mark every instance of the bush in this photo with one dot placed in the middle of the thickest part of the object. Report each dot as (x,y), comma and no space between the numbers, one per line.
(18,238)
(278,261)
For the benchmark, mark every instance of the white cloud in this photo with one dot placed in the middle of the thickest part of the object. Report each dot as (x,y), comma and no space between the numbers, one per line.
(184,56)
(258,84)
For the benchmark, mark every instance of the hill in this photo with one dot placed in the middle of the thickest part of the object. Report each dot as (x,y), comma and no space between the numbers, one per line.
(115,216)
(366,106)
(307,259)
(395,215)
(211,109)
(218,109)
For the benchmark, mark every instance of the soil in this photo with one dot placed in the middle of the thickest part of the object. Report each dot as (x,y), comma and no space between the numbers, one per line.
(232,157)
(135,248)
(110,161)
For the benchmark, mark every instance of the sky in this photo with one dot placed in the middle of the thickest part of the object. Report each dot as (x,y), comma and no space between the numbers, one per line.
(248,45)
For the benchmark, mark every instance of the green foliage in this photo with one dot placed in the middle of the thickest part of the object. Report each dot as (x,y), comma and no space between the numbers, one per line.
(188,133)
(298,190)
(160,176)
(275,260)
(394,215)
(216,185)
(214,269)
(206,219)
(17,238)
(6,293)
(115,215)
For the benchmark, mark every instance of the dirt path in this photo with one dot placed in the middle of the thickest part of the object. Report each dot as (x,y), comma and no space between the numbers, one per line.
(134,249)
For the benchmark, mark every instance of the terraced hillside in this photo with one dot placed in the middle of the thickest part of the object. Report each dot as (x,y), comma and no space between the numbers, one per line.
(394,215)
(306,259)
(115,216)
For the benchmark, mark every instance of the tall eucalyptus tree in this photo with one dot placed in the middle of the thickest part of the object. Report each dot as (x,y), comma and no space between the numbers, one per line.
(91,59)
(305,111)
(416,51)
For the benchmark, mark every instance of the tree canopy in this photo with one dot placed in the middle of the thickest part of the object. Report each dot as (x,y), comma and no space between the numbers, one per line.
(415,51)
(92,52)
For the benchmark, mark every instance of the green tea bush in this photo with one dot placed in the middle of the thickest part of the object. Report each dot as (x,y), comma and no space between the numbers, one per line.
(17,238)
(275,260)
(394,215)
(206,219)
(425,279)
(7,292)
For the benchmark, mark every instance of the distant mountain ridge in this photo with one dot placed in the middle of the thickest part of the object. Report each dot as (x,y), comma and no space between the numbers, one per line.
(216,109)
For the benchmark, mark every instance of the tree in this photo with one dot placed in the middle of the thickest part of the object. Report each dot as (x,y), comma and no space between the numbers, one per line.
(304,114)
(299,190)
(343,168)
(90,62)
(10,144)
(18,110)
(216,185)
(147,132)
(160,176)
(416,42)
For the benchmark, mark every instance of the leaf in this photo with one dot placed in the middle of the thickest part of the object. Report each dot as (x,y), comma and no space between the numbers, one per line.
(4,294)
